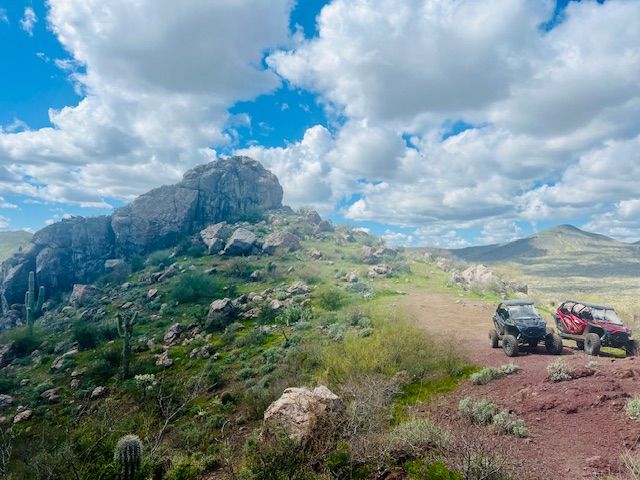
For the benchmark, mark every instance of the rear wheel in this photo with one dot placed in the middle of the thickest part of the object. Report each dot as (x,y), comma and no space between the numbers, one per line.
(493,338)
(580,344)
(592,344)
(553,343)
(510,346)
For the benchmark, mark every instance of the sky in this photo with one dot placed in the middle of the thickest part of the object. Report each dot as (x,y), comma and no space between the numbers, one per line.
(430,122)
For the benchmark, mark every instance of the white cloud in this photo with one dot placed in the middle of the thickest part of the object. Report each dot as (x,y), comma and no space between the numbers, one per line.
(5,204)
(155,93)
(4,222)
(3,16)
(28,21)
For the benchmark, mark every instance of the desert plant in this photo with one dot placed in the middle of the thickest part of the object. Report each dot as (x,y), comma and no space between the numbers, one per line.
(558,371)
(510,424)
(125,330)
(86,335)
(128,454)
(480,412)
(33,305)
(592,364)
(413,437)
(195,287)
(331,298)
(487,374)
(632,408)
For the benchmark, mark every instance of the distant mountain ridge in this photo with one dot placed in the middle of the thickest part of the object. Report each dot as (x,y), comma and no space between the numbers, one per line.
(11,242)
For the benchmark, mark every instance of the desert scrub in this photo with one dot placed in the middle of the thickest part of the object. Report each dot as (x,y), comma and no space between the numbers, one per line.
(558,371)
(487,374)
(592,364)
(416,436)
(484,412)
(632,408)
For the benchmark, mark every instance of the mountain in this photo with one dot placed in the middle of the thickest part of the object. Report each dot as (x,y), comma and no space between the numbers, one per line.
(11,242)
(565,258)
(78,250)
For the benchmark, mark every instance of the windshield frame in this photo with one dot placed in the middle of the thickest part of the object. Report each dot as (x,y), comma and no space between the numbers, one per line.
(526,311)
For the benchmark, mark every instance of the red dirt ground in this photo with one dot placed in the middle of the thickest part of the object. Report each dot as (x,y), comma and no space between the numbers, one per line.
(577,428)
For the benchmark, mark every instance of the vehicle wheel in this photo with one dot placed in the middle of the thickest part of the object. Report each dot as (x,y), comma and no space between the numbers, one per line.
(510,346)
(580,344)
(632,348)
(592,344)
(553,344)
(493,338)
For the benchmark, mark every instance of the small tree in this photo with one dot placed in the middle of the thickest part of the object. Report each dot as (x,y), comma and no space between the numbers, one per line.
(125,330)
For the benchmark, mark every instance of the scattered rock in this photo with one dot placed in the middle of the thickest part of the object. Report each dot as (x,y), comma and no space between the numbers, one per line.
(382,270)
(482,278)
(81,294)
(51,396)
(98,392)
(152,293)
(298,288)
(75,383)
(59,361)
(256,276)
(7,354)
(312,217)
(351,277)
(375,255)
(316,254)
(242,242)
(214,237)
(22,416)
(325,226)
(304,415)
(5,400)
(220,313)
(172,335)
(163,360)
(281,242)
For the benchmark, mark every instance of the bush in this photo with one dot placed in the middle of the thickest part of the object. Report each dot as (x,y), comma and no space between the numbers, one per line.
(558,371)
(632,408)
(488,374)
(414,437)
(331,298)
(24,341)
(510,424)
(484,412)
(160,259)
(293,314)
(195,287)
(278,458)
(86,335)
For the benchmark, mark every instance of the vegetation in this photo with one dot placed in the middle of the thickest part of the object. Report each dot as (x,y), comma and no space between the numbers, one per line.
(488,374)
(128,455)
(632,408)
(558,371)
(33,305)
(484,412)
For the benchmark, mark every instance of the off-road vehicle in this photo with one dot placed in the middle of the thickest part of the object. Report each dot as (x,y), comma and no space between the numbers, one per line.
(517,323)
(593,326)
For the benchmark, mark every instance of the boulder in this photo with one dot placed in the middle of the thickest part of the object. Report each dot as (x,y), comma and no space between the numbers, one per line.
(298,288)
(215,236)
(98,392)
(115,264)
(7,354)
(5,400)
(482,278)
(281,241)
(304,415)
(312,217)
(376,255)
(316,255)
(81,294)
(152,293)
(325,226)
(51,396)
(351,277)
(22,416)
(242,242)
(220,313)
(59,361)
(172,335)
(382,270)
(163,360)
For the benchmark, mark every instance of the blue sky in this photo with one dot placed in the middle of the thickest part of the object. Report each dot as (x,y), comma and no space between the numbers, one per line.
(417,130)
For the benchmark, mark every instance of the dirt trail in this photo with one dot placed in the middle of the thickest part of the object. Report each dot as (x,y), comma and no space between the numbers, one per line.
(577,429)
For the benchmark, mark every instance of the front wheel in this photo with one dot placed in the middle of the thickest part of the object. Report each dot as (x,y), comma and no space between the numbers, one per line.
(553,344)
(632,348)
(510,346)
(592,344)
(580,344)
(493,338)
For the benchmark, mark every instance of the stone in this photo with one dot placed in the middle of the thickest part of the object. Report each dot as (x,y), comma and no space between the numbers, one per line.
(316,254)
(81,294)
(325,226)
(304,415)
(215,236)
(51,396)
(382,270)
(5,400)
(115,264)
(7,354)
(242,242)
(481,278)
(281,242)
(22,416)
(376,255)
(152,293)
(351,277)
(298,288)
(220,313)
(163,360)
(171,271)
(172,336)
(312,217)
(59,361)
(75,383)
(98,392)
(256,276)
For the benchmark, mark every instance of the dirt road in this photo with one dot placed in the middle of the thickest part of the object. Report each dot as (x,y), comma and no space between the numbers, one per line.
(577,429)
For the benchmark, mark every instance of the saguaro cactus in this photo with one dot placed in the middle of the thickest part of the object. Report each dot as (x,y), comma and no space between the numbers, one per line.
(125,330)
(128,454)
(33,305)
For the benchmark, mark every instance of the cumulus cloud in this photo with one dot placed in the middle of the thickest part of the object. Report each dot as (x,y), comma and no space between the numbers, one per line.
(28,21)
(553,114)
(157,79)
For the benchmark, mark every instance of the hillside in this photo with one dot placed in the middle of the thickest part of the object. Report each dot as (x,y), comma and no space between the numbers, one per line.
(565,259)
(10,242)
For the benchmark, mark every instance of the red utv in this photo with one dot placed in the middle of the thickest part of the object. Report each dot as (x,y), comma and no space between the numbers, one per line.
(593,326)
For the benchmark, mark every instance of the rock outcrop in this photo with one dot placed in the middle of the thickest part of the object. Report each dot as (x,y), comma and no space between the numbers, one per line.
(482,279)
(76,250)
(281,241)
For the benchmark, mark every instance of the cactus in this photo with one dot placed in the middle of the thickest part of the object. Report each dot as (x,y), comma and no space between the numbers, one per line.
(33,306)
(128,454)
(125,330)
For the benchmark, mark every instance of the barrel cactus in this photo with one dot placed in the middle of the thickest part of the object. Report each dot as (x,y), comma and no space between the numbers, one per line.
(128,454)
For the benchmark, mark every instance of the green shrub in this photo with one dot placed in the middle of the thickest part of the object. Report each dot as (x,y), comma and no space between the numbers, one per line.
(510,424)
(278,458)
(632,408)
(294,314)
(413,438)
(331,298)
(488,374)
(558,371)
(194,287)
(484,412)
(86,335)
(8,382)
(160,259)
(24,341)
(190,467)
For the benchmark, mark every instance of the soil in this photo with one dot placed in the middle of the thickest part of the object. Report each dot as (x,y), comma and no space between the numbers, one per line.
(577,428)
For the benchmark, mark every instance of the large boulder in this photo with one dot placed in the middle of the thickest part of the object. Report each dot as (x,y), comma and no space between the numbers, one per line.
(281,241)
(215,236)
(481,278)
(81,294)
(304,415)
(242,242)
(220,313)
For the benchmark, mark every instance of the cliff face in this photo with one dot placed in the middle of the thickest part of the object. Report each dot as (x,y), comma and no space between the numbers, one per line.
(75,250)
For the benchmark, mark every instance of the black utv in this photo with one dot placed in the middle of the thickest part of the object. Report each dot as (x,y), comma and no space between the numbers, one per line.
(517,323)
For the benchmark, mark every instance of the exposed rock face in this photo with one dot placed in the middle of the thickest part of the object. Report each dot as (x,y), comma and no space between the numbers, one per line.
(81,294)
(76,250)
(281,241)
(304,415)
(242,242)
